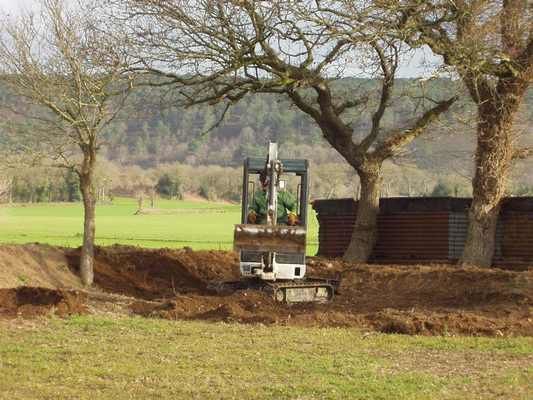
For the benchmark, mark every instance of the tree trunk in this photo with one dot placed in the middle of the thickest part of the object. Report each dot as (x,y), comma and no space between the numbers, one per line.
(493,158)
(140,203)
(494,155)
(89,206)
(481,237)
(365,230)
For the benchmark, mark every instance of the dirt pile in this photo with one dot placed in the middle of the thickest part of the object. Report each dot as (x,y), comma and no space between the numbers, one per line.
(404,287)
(428,300)
(158,273)
(440,299)
(241,306)
(29,302)
(36,265)
(450,322)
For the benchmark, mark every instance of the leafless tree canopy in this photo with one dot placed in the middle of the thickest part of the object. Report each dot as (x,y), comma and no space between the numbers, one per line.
(489,44)
(68,76)
(68,73)
(216,52)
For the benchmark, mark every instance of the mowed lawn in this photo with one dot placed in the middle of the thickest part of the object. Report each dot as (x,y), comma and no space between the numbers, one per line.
(199,225)
(95,357)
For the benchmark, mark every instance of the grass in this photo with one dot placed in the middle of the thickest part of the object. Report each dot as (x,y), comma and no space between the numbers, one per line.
(95,357)
(198,225)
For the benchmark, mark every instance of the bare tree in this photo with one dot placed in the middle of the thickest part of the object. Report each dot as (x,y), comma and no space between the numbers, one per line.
(67,77)
(5,181)
(217,52)
(489,44)
(5,187)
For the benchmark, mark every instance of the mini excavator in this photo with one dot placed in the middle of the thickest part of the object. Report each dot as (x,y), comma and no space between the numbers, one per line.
(272,255)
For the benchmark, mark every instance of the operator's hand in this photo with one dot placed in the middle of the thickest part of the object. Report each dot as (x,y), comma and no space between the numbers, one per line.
(292,219)
(252,217)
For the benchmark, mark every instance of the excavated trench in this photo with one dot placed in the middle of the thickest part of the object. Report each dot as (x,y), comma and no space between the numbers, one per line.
(175,284)
(26,301)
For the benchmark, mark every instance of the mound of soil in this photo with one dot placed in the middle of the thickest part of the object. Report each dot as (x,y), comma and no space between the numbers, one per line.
(242,306)
(445,286)
(30,302)
(36,265)
(426,300)
(158,273)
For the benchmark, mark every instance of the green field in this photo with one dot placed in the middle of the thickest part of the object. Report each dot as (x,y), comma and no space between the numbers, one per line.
(118,357)
(133,358)
(199,225)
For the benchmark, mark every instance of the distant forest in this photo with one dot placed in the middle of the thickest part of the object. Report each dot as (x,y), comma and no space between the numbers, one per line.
(154,135)
(151,131)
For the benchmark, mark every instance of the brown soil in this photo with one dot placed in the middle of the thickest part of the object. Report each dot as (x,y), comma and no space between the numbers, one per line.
(36,265)
(25,301)
(175,284)
(162,273)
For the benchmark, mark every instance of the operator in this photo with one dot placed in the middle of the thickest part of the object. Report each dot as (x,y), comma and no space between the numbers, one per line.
(259,207)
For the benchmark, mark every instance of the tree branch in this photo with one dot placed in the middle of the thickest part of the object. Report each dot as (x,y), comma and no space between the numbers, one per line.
(523,153)
(388,70)
(396,141)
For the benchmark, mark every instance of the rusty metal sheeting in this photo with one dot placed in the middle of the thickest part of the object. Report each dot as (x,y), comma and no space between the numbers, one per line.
(426,229)
(279,238)
(517,236)
(393,205)
(334,234)
(412,236)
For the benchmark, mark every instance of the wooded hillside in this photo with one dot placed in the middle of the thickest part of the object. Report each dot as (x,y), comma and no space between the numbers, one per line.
(152,138)
(151,131)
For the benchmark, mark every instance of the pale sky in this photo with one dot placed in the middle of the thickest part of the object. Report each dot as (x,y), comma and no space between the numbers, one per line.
(413,68)
(13,6)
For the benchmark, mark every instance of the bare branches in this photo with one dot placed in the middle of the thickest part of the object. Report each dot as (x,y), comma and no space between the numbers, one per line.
(480,38)
(397,140)
(389,65)
(522,153)
(68,73)
(352,103)
(216,52)
(260,43)
(305,106)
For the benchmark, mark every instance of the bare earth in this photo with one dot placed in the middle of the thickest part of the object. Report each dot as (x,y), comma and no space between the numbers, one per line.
(175,284)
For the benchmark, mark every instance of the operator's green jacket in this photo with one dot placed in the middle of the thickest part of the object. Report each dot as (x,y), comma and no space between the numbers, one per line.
(286,204)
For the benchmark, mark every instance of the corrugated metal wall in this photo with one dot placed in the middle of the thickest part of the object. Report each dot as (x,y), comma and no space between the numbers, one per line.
(517,238)
(334,234)
(458,224)
(412,236)
(425,229)
(336,220)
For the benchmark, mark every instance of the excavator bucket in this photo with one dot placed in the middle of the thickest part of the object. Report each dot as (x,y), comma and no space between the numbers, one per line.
(269,238)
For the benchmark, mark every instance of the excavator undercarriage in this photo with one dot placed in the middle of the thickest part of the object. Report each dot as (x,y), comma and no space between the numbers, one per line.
(302,291)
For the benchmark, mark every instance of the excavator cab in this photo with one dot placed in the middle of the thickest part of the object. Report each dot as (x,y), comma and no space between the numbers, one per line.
(293,180)
(270,249)
(271,252)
